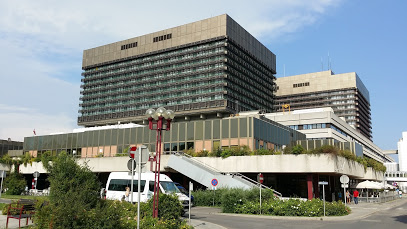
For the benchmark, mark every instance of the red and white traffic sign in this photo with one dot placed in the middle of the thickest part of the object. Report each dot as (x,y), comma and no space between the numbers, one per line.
(260,178)
(132,151)
(214,182)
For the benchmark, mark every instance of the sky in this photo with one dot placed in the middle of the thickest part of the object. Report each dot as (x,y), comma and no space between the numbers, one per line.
(42,43)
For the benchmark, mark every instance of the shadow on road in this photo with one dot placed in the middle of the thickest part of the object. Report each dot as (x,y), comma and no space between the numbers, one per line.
(401,218)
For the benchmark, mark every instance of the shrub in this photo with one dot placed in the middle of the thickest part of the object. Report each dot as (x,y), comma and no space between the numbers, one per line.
(336,209)
(208,197)
(287,150)
(232,199)
(263,152)
(298,149)
(15,184)
(347,154)
(170,207)
(202,153)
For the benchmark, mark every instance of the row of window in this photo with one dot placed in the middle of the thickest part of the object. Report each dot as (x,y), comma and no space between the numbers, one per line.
(152,96)
(159,56)
(162,76)
(104,98)
(145,68)
(108,110)
(159,85)
(300,84)
(162,38)
(128,46)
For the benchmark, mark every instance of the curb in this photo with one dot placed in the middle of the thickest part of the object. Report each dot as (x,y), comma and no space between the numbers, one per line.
(351,216)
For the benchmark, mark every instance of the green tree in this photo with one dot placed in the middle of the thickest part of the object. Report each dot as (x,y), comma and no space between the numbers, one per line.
(74,191)
(14,183)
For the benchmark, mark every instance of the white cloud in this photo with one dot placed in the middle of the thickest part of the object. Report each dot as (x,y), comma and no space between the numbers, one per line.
(20,125)
(41,45)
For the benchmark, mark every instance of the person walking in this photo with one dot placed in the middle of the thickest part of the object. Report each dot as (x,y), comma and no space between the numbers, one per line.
(356,196)
(347,196)
(127,194)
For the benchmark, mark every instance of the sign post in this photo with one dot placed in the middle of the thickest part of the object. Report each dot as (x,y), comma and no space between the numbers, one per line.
(260,179)
(3,175)
(323,183)
(36,174)
(140,155)
(190,190)
(344,180)
(214,183)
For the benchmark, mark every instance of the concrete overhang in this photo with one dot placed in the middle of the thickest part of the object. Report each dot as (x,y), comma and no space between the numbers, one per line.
(279,164)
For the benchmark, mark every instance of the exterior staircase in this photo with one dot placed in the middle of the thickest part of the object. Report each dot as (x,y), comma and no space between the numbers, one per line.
(204,174)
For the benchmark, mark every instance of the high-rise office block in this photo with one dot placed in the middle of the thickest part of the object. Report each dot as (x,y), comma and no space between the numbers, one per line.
(402,151)
(203,69)
(345,93)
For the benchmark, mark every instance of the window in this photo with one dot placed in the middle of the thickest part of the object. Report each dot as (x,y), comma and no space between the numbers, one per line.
(120,185)
(163,37)
(300,84)
(127,46)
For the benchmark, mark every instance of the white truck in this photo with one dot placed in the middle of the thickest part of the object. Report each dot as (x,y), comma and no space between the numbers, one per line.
(118,181)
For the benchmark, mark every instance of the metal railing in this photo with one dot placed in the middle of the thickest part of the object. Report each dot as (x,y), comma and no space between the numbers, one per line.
(240,176)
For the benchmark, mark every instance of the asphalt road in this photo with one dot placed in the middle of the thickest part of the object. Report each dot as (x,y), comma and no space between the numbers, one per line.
(385,218)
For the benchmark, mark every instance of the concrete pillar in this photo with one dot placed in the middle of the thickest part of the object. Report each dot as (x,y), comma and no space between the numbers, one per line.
(316,185)
(309,186)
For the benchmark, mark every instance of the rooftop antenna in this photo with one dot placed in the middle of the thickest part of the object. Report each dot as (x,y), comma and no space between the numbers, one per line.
(284,70)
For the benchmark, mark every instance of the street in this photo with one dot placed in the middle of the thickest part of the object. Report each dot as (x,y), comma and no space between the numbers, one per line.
(364,216)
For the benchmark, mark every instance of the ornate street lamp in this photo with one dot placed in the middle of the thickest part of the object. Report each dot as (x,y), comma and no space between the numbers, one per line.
(156,122)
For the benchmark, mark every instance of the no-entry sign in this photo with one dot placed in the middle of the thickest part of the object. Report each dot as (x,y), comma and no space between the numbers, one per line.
(132,151)
(260,178)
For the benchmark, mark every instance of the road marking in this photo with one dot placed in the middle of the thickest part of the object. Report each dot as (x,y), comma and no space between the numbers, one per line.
(371,220)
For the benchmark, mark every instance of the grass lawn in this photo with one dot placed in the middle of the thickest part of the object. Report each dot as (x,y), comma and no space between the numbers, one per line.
(17,197)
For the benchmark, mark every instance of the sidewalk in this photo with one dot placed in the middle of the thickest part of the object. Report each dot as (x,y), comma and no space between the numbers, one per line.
(12,223)
(359,211)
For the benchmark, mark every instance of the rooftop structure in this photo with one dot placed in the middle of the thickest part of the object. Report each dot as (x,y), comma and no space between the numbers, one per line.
(323,124)
(345,93)
(6,145)
(402,152)
(204,69)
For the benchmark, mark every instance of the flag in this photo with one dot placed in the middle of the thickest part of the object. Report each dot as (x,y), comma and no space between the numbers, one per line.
(34,132)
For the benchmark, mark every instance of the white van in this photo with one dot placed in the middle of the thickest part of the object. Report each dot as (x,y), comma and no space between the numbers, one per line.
(118,181)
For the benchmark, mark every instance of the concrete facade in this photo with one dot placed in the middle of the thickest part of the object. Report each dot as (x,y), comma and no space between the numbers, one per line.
(345,93)
(6,145)
(206,69)
(318,164)
(402,152)
(219,26)
(323,123)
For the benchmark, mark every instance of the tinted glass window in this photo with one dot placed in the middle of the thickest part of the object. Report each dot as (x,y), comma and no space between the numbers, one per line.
(216,129)
(120,185)
(225,128)
(198,131)
(208,129)
(233,128)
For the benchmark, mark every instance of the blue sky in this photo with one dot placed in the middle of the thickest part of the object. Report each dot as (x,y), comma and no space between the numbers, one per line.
(42,42)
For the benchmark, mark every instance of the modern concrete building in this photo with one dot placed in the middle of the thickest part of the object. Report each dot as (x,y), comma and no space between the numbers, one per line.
(204,69)
(109,141)
(7,145)
(344,93)
(402,152)
(321,124)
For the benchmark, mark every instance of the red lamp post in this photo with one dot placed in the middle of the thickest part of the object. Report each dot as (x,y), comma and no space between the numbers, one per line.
(156,122)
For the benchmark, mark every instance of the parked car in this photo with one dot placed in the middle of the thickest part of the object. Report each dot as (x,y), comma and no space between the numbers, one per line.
(184,191)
